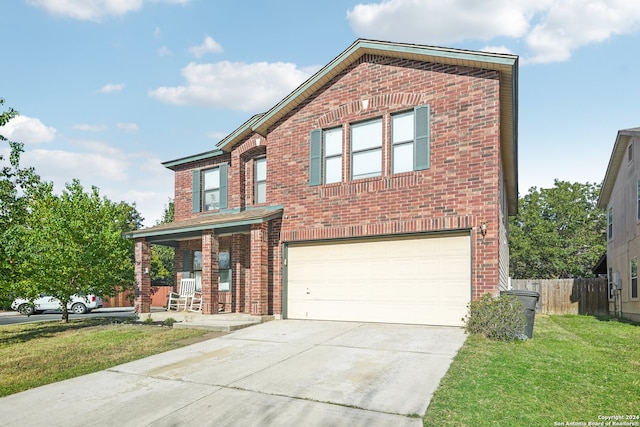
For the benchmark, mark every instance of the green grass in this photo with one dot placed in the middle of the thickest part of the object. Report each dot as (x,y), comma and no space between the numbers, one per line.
(36,354)
(575,369)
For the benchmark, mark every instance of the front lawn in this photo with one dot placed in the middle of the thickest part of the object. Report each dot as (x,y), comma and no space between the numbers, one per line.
(576,369)
(34,354)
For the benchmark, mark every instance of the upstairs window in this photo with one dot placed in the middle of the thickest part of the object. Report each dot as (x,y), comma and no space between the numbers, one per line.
(366,149)
(332,155)
(610,224)
(260,184)
(410,140)
(209,188)
(630,153)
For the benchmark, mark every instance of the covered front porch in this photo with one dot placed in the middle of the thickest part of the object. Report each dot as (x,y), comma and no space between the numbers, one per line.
(231,255)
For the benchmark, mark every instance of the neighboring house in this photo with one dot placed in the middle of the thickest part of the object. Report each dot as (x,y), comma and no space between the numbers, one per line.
(620,196)
(379,191)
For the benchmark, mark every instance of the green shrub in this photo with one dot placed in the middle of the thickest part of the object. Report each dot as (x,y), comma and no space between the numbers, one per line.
(169,322)
(500,318)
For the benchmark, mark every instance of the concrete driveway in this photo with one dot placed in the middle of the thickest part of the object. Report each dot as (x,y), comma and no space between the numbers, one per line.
(281,373)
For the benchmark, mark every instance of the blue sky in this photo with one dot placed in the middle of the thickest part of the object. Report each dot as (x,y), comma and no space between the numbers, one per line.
(108,89)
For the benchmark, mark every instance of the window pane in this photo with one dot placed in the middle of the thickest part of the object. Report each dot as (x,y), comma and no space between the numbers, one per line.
(211,200)
(261,169)
(402,158)
(333,170)
(402,127)
(224,260)
(212,179)
(333,142)
(261,192)
(366,135)
(367,164)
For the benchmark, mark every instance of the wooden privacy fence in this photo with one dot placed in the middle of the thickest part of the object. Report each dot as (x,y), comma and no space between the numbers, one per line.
(568,296)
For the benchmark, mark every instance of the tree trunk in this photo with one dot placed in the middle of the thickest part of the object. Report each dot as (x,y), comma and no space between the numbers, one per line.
(65,313)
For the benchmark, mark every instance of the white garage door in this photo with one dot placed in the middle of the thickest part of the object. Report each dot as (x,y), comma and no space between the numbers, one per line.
(424,280)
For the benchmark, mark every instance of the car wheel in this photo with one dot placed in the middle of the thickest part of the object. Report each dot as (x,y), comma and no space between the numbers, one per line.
(26,309)
(79,308)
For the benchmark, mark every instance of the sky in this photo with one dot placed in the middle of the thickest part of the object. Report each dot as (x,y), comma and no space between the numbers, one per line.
(109,89)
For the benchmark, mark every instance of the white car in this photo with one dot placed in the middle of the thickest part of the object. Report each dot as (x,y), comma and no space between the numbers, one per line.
(78,305)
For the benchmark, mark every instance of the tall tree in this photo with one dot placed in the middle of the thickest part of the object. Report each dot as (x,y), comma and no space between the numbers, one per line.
(17,184)
(558,233)
(72,244)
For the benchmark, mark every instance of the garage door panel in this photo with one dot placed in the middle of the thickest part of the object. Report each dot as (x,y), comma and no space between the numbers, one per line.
(424,280)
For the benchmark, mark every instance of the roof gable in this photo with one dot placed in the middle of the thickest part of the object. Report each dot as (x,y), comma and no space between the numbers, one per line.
(617,157)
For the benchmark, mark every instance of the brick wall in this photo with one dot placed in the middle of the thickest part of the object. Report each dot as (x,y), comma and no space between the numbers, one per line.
(459,191)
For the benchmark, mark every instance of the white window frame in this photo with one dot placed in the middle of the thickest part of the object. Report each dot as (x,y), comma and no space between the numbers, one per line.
(367,148)
(258,183)
(402,141)
(210,190)
(329,156)
(612,286)
(633,276)
(610,223)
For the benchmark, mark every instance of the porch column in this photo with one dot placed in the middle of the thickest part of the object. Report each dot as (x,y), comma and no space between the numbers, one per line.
(239,251)
(210,272)
(259,268)
(142,300)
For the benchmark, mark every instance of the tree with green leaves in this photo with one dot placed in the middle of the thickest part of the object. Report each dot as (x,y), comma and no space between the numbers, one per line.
(17,184)
(162,257)
(73,244)
(558,233)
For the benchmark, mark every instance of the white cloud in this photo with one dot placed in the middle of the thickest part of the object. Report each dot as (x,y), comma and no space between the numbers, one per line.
(112,87)
(112,171)
(128,127)
(95,10)
(90,128)
(61,167)
(209,45)
(496,49)
(550,29)
(234,85)
(441,22)
(157,33)
(27,130)
(163,51)
(570,24)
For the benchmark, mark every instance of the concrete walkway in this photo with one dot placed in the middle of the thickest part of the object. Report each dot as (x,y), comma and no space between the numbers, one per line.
(280,373)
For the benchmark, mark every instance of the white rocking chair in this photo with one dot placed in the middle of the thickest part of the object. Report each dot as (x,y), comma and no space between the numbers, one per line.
(187,298)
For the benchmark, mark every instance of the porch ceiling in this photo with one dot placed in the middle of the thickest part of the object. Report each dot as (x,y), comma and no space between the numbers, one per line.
(192,227)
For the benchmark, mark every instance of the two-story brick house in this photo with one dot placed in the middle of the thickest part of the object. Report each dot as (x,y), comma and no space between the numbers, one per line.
(620,196)
(378,190)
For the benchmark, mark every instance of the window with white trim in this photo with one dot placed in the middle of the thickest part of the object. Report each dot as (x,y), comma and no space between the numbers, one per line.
(633,270)
(211,189)
(638,200)
(366,149)
(332,155)
(610,223)
(612,288)
(260,184)
(402,137)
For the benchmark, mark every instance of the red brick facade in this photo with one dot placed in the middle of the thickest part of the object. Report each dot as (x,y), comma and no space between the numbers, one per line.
(460,190)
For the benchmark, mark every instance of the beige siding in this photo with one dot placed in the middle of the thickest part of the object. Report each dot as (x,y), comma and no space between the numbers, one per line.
(626,229)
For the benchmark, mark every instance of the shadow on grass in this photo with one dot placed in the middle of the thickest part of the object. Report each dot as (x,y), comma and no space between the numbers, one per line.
(607,318)
(48,329)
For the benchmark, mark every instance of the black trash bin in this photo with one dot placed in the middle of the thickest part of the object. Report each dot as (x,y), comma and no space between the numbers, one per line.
(529,299)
